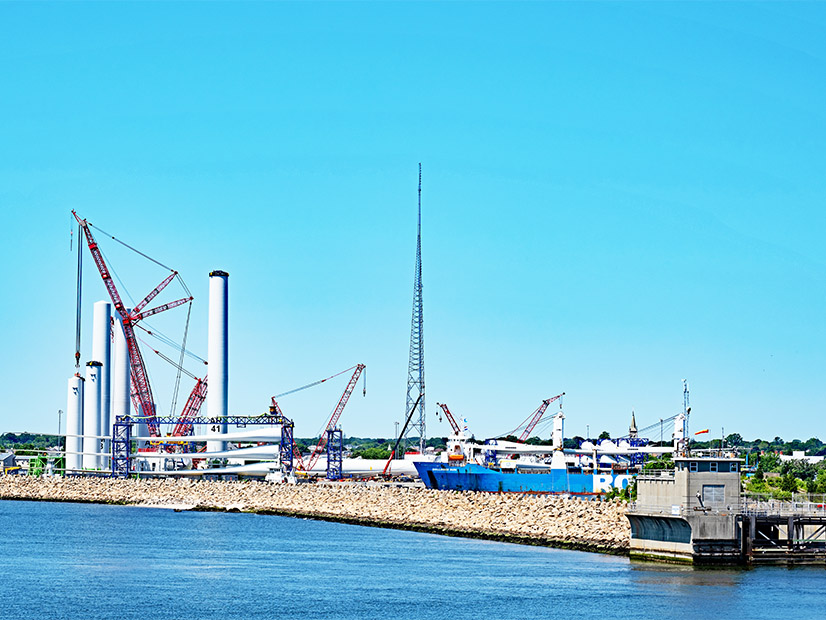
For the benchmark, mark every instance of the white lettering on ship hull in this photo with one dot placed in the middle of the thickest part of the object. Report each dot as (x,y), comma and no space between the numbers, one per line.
(603,483)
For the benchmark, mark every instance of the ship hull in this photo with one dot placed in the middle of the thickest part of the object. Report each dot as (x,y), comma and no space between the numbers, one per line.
(474,477)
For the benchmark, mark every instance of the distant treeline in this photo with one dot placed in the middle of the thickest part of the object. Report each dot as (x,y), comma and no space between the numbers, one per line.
(28,441)
(812,447)
(379,445)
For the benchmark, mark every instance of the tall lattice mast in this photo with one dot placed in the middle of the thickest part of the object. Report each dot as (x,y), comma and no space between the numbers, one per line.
(415,368)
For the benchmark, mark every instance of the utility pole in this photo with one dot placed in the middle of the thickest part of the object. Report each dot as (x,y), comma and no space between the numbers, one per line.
(59,413)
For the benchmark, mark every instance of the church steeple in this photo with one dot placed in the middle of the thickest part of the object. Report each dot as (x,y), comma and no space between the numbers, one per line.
(632,430)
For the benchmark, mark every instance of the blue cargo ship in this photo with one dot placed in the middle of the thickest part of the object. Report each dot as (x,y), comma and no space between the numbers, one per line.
(474,477)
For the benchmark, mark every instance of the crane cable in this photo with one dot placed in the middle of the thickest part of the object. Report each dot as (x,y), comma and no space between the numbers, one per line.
(146,256)
(168,359)
(524,424)
(122,285)
(363,393)
(314,383)
(169,342)
(160,264)
(181,362)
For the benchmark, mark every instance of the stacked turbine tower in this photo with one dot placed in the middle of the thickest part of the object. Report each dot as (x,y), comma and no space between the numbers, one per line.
(218,357)
(113,406)
(92,410)
(88,407)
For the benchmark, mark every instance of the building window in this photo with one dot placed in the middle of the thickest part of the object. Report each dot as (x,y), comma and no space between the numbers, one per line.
(712,466)
(692,466)
(734,466)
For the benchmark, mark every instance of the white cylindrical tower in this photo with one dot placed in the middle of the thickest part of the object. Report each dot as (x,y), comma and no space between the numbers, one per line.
(91,416)
(558,433)
(102,351)
(120,373)
(218,355)
(74,422)
(679,432)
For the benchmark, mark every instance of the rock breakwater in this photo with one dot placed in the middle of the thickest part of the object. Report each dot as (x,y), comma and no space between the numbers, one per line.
(528,519)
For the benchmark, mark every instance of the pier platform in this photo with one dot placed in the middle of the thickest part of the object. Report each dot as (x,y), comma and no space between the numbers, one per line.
(696,514)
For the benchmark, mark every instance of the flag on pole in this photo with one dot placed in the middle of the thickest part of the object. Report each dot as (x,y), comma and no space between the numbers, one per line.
(705,430)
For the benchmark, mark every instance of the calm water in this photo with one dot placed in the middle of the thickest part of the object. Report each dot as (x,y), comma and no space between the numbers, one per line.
(85,561)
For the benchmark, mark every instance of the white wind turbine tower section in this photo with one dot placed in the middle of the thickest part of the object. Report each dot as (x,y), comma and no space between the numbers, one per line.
(91,416)
(121,404)
(74,422)
(102,352)
(218,356)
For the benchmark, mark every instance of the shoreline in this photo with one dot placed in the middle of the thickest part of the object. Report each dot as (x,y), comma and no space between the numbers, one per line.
(537,520)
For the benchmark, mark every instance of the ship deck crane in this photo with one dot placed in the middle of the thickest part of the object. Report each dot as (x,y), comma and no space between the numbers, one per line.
(532,420)
(536,416)
(450,419)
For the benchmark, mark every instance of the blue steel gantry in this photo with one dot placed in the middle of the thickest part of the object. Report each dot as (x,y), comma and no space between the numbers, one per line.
(335,453)
(122,435)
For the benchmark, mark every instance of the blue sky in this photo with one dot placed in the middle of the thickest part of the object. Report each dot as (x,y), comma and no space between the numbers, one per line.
(616,197)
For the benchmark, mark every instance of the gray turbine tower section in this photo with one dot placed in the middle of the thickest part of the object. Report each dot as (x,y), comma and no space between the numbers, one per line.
(415,368)
(218,356)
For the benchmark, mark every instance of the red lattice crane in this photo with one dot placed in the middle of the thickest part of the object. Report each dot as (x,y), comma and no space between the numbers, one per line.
(191,408)
(536,416)
(141,390)
(331,423)
(451,420)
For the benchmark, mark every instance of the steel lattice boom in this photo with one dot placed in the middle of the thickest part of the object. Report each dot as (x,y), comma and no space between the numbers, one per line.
(191,408)
(331,423)
(141,390)
(536,416)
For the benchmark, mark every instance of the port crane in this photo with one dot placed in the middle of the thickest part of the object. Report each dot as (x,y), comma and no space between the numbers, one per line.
(334,417)
(536,416)
(142,397)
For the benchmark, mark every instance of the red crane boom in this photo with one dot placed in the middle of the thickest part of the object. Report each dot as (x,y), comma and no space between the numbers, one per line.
(331,424)
(537,415)
(191,408)
(449,417)
(145,403)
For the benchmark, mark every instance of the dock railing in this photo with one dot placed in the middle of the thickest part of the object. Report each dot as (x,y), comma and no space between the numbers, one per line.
(656,474)
(799,504)
(677,510)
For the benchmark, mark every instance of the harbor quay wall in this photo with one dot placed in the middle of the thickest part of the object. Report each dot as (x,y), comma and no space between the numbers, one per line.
(547,520)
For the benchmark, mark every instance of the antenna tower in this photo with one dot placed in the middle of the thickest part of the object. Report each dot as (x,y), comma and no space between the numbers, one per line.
(415,368)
